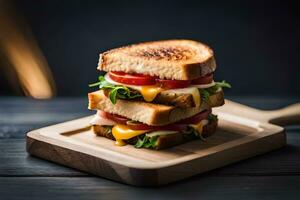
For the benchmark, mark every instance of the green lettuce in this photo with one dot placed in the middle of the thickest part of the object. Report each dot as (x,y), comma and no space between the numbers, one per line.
(116,91)
(146,142)
(205,93)
(122,92)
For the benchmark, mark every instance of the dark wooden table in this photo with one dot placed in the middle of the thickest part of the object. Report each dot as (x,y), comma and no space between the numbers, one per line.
(275,175)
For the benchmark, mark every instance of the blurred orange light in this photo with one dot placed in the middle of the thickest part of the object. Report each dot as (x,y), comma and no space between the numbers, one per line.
(24,55)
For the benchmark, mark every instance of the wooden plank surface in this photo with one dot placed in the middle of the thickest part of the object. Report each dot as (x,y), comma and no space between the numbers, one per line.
(17,162)
(71,144)
(201,187)
(280,162)
(271,176)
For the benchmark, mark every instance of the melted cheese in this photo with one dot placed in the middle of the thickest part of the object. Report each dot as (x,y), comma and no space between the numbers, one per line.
(199,126)
(190,90)
(160,133)
(203,86)
(150,92)
(123,132)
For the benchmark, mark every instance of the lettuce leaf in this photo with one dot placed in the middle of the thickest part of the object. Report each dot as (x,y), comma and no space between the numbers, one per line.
(122,92)
(205,93)
(146,142)
(116,91)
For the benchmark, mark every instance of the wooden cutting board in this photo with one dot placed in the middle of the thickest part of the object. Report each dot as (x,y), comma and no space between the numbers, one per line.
(243,132)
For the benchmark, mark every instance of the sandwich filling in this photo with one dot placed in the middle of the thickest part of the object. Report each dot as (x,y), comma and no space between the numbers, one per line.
(156,94)
(124,130)
(181,93)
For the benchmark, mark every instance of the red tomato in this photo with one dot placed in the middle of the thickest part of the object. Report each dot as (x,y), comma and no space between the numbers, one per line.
(203,80)
(196,118)
(177,126)
(173,84)
(132,79)
(117,118)
(141,126)
(138,126)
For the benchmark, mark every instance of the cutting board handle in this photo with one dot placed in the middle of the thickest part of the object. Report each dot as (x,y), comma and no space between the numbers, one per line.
(289,115)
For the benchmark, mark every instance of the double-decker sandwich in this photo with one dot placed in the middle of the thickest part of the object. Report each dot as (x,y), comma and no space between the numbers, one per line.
(156,94)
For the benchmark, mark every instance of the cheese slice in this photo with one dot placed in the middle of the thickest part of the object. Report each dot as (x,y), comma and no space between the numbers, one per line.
(149,92)
(199,126)
(194,91)
(123,132)
(160,133)
(204,86)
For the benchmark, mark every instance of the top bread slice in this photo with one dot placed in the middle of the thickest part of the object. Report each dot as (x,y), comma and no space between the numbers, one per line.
(148,113)
(168,59)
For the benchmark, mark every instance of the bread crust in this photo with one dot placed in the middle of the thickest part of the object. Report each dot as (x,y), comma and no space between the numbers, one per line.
(148,113)
(169,59)
(102,131)
(187,101)
(216,99)
(173,99)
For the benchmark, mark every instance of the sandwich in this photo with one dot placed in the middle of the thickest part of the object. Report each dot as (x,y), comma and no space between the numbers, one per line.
(156,94)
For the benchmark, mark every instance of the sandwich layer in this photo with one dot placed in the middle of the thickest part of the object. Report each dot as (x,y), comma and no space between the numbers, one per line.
(169,59)
(187,100)
(148,113)
(181,97)
(161,141)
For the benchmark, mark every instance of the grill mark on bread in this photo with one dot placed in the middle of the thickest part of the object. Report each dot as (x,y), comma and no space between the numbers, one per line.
(169,53)
(156,58)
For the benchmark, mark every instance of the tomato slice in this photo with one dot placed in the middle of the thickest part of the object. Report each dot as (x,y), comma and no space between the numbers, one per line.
(203,80)
(138,126)
(117,118)
(196,118)
(142,126)
(177,126)
(173,84)
(140,79)
(132,79)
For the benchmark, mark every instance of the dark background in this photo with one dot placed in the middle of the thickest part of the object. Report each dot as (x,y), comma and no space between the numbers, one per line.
(256,43)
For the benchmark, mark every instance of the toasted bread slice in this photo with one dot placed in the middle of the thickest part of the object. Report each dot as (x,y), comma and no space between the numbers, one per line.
(186,100)
(168,59)
(148,113)
(163,142)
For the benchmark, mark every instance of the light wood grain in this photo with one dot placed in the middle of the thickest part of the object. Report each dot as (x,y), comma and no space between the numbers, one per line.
(284,161)
(288,115)
(237,138)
